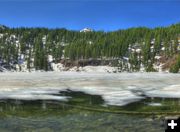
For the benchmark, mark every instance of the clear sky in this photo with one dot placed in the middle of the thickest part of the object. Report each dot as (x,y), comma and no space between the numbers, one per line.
(105,15)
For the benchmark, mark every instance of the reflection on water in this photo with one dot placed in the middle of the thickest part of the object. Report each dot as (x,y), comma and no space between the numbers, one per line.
(56,116)
(113,103)
(80,121)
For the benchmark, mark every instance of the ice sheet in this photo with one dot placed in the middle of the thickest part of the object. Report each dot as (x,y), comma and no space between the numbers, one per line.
(115,88)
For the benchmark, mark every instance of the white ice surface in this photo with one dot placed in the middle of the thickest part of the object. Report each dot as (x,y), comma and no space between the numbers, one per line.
(116,89)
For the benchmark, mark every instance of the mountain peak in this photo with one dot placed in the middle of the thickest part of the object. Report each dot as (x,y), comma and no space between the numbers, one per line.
(86,30)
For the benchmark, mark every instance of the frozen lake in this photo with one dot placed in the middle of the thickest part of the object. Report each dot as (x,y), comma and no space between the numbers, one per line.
(71,101)
(115,89)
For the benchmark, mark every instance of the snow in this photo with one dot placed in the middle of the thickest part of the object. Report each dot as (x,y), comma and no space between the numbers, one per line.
(158,67)
(90,42)
(163,48)
(60,67)
(86,30)
(172,91)
(126,58)
(1,35)
(22,56)
(44,39)
(57,67)
(116,89)
(13,36)
(153,41)
(138,50)
(98,69)
(157,57)
(50,58)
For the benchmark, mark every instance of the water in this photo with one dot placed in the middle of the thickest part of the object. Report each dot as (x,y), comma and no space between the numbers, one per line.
(55,116)
(80,102)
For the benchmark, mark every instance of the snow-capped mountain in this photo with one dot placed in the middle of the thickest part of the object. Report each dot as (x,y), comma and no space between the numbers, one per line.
(86,30)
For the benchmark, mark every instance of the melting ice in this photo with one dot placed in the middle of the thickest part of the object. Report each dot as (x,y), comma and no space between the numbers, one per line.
(116,89)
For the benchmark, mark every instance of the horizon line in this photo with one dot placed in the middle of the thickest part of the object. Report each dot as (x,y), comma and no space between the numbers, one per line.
(96,30)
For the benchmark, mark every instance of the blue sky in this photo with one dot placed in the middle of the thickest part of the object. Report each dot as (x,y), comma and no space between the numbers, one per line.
(105,15)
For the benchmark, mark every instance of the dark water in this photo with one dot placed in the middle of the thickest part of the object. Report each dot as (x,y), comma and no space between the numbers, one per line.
(82,113)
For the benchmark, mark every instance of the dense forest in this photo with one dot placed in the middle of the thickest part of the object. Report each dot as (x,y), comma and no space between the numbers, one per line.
(130,49)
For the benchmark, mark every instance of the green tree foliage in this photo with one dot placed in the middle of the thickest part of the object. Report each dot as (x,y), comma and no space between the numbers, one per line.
(175,68)
(38,43)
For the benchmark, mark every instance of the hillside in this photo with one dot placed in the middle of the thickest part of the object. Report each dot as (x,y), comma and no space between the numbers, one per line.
(132,50)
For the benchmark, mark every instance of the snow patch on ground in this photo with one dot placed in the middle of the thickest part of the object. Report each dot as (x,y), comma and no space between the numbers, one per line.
(60,67)
(98,69)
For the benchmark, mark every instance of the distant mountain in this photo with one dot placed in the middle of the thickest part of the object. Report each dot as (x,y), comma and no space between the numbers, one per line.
(86,30)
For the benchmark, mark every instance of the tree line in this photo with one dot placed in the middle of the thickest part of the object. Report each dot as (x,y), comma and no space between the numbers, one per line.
(38,43)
